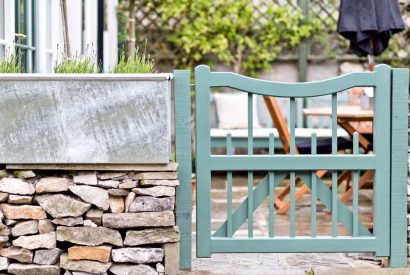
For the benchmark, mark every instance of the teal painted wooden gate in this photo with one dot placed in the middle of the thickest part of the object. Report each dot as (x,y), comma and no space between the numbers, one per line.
(388,163)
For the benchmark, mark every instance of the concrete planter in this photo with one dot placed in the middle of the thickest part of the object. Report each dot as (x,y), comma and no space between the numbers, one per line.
(99,118)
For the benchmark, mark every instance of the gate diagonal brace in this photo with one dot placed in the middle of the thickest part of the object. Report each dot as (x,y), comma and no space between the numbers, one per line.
(324,194)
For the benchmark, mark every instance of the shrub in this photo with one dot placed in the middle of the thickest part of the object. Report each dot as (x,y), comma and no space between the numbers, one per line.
(140,63)
(79,64)
(11,63)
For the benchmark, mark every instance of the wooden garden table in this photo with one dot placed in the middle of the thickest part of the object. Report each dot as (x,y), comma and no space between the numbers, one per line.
(345,116)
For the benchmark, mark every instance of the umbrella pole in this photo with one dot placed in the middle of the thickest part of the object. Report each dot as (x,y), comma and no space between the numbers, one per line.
(371,62)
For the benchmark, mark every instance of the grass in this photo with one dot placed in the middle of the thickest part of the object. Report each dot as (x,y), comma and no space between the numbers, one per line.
(79,64)
(11,64)
(140,63)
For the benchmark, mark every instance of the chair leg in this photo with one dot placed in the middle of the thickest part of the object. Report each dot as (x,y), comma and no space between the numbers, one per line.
(303,190)
(349,193)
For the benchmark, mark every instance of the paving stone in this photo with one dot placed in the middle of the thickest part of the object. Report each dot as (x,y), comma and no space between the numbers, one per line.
(68,221)
(33,269)
(118,192)
(47,240)
(17,253)
(144,219)
(83,265)
(155,176)
(116,204)
(151,204)
(87,179)
(52,185)
(94,253)
(22,212)
(47,256)
(16,186)
(132,269)
(128,200)
(25,228)
(4,263)
(89,235)
(137,255)
(19,199)
(60,206)
(156,191)
(3,196)
(94,195)
(111,175)
(45,226)
(95,215)
(108,183)
(24,174)
(152,236)
(171,183)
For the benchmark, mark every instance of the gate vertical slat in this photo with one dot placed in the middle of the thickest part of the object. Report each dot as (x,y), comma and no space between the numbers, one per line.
(399,167)
(292,174)
(292,204)
(183,156)
(203,163)
(334,173)
(313,189)
(355,188)
(381,124)
(250,173)
(271,184)
(229,188)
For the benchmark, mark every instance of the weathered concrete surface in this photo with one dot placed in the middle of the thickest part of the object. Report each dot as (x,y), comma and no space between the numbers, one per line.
(86,120)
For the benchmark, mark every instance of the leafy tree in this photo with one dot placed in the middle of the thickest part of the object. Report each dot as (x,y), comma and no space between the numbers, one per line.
(245,34)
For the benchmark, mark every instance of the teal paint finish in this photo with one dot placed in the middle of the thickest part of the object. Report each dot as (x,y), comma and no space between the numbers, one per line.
(355,188)
(399,136)
(386,222)
(271,188)
(229,188)
(183,154)
(313,191)
(296,162)
(289,245)
(203,172)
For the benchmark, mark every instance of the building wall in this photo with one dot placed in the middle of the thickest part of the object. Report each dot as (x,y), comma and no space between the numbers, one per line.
(48,32)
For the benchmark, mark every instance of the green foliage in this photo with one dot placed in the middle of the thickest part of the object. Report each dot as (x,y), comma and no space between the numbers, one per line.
(238,33)
(140,63)
(11,64)
(79,64)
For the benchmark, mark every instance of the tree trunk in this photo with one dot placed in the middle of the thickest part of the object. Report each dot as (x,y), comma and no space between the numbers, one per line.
(131,29)
(67,48)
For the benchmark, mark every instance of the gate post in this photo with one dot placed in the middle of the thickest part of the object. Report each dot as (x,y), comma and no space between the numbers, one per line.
(399,167)
(182,109)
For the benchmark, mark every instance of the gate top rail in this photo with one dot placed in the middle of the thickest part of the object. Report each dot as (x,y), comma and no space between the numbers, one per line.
(283,89)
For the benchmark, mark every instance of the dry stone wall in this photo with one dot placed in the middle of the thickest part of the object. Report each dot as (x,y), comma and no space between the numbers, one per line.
(62,222)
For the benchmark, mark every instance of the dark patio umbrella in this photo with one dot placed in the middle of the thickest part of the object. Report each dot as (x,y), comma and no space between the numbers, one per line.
(369,25)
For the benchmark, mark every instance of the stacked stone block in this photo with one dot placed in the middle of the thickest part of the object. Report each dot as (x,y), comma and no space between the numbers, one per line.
(61,222)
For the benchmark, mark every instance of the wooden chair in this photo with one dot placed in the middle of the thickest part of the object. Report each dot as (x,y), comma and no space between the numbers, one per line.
(284,136)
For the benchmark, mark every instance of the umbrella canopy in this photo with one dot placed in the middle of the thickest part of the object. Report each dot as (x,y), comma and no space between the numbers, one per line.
(369,24)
